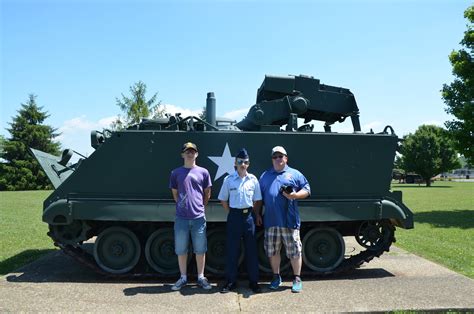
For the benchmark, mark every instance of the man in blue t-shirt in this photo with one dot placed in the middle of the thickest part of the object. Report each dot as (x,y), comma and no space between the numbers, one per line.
(191,189)
(281,187)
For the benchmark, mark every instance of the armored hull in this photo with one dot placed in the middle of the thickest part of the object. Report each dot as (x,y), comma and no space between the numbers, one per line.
(120,194)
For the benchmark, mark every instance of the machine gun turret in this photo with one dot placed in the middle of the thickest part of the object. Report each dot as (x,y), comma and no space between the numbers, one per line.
(280,99)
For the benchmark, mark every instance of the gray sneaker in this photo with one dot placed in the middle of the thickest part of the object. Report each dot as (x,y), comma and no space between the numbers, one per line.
(179,284)
(203,283)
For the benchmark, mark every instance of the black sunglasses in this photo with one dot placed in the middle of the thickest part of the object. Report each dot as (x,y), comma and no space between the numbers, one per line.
(241,162)
(277,156)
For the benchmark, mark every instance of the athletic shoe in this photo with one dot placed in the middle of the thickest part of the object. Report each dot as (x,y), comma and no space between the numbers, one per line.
(203,283)
(179,284)
(297,286)
(276,282)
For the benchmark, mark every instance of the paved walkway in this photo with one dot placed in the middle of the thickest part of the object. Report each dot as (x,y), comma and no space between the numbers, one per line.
(396,281)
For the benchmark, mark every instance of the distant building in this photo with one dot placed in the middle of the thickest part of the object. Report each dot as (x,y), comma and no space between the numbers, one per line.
(462,173)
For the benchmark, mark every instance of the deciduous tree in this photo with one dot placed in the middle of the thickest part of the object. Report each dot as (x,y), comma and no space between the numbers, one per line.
(459,95)
(428,152)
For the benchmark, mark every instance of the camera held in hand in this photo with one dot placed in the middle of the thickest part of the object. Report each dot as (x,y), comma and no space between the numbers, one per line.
(288,189)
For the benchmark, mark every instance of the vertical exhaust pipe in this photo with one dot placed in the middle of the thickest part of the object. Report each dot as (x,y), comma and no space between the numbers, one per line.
(211,109)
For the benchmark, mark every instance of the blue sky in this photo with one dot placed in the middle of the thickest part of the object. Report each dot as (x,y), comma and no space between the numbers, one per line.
(78,56)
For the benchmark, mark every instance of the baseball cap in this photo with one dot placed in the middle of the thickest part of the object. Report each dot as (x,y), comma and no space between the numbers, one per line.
(189,145)
(279,149)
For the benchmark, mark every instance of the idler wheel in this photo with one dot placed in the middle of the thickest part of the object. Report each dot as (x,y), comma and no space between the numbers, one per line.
(323,249)
(374,235)
(71,234)
(216,251)
(117,250)
(263,262)
(160,253)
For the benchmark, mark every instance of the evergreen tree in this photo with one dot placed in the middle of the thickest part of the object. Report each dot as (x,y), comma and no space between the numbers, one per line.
(20,171)
(428,152)
(2,143)
(137,107)
(459,95)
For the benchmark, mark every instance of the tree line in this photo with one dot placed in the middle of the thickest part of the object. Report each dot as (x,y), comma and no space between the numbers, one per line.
(429,151)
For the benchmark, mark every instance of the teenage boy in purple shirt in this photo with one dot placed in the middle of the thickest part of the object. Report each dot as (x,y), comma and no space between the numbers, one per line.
(191,189)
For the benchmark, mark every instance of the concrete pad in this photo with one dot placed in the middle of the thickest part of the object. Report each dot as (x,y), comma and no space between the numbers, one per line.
(396,281)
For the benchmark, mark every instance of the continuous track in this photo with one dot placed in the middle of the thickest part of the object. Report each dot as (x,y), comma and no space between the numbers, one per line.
(348,264)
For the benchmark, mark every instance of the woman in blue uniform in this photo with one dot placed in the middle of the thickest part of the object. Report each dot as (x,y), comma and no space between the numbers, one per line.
(239,195)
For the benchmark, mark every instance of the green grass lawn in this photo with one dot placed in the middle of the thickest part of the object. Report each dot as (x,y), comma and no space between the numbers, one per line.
(444,224)
(22,233)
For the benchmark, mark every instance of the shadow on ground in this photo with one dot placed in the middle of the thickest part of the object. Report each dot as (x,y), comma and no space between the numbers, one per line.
(192,289)
(20,259)
(58,267)
(458,218)
(243,290)
(421,186)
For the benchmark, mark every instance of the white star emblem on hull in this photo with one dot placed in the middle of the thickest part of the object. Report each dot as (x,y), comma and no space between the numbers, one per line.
(225,163)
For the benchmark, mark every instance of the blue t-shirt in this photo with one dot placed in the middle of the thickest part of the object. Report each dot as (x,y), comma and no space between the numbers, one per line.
(280,211)
(190,183)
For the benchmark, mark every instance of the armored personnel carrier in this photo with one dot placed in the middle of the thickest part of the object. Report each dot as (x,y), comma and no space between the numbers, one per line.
(119,195)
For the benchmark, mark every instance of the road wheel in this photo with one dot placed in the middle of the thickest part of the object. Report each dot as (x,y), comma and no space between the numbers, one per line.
(117,250)
(323,249)
(216,251)
(160,253)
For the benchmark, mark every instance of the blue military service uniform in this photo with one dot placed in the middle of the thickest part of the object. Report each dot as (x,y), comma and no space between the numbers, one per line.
(241,193)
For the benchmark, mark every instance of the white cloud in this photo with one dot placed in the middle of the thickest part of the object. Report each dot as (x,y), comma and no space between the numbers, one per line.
(81,123)
(346,127)
(75,133)
(172,109)
(106,122)
(237,115)
(376,126)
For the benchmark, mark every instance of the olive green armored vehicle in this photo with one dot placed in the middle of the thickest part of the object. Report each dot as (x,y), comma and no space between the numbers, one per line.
(118,197)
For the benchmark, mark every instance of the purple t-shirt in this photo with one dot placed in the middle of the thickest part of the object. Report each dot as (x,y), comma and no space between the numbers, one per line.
(190,183)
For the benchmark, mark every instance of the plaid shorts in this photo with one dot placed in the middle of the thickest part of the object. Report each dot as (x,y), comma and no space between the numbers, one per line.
(291,240)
